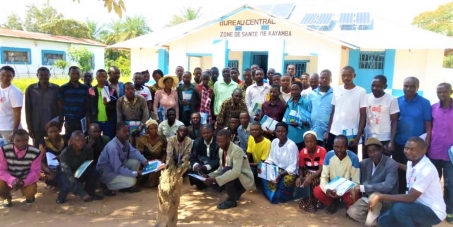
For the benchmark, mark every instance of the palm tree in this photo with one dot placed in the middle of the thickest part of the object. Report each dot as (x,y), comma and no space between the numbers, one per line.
(95,29)
(118,31)
(187,14)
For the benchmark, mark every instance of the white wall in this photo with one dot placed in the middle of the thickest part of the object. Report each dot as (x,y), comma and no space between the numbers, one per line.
(143,59)
(37,46)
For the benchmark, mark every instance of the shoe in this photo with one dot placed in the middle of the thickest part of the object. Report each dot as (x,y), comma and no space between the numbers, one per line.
(61,198)
(87,198)
(7,203)
(227,204)
(449,218)
(96,197)
(239,194)
(30,201)
(130,190)
(332,209)
(106,191)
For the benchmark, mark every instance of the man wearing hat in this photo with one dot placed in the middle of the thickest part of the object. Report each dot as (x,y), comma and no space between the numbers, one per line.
(378,173)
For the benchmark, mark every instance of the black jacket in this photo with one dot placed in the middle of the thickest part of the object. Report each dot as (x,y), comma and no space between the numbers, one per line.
(92,104)
(199,154)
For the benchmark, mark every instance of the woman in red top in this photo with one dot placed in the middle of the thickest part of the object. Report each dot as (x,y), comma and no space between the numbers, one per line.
(311,159)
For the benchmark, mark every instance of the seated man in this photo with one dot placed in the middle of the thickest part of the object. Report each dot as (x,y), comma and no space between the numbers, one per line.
(119,163)
(195,127)
(233,126)
(258,148)
(24,173)
(169,127)
(179,147)
(96,141)
(244,129)
(205,155)
(338,163)
(422,205)
(234,173)
(379,173)
(71,159)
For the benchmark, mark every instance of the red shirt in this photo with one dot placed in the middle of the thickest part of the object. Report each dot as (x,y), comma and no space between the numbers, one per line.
(310,163)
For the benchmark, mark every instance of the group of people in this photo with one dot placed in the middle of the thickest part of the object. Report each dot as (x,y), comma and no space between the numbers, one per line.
(226,129)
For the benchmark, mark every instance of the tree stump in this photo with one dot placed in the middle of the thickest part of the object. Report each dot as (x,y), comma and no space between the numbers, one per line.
(169,194)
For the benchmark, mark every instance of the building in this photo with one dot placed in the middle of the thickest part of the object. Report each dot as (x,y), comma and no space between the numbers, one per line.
(27,51)
(274,36)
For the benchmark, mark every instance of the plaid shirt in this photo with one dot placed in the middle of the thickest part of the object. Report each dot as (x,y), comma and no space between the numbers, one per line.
(206,95)
(178,151)
(229,109)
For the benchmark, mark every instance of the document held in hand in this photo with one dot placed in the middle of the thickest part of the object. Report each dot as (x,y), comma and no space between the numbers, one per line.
(78,173)
(340,185)
(153,166)
(268,172)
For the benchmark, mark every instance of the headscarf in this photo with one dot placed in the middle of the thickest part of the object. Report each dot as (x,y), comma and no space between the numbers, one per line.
(150,122)
(310,132)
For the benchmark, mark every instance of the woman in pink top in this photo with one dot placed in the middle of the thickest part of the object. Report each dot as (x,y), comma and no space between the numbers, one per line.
(167,97)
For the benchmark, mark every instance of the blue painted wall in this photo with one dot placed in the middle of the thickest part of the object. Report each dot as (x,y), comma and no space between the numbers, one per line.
(162,56)
(246,60)
(389,66)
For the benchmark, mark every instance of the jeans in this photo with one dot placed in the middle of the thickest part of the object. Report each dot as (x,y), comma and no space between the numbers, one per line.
(408,215)
(398,156)
(329,144)
(90,177)
(107,128)
(447,168)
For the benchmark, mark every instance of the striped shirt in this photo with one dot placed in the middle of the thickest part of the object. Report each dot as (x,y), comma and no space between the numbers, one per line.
(74,101)
(348,168)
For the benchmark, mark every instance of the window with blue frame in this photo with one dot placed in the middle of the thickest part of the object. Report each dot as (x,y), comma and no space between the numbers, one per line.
(49,57)
(372,60)
(12,55)
(300,65)
(233,64)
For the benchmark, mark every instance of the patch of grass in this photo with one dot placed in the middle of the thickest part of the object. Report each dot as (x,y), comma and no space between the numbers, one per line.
(23,82)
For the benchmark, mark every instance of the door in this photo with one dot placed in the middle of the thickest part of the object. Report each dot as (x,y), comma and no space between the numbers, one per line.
(371,64)
(260,58)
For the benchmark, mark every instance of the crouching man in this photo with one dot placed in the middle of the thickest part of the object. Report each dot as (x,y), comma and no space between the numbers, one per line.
(20,166)
(234,174)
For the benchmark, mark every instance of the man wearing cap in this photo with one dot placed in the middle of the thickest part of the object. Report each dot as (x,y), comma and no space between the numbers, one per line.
(378,173)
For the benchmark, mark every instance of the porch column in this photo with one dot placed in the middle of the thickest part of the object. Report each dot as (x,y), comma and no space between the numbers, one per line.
(220,54)
(276,56)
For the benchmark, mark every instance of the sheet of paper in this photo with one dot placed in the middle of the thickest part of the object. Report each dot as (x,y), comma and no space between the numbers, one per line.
(272,125)
(83,123)
(266,122)
(271,172)
(51,160)
(187,95)
(105,93)
(197,176)
(263,168)
(204,118)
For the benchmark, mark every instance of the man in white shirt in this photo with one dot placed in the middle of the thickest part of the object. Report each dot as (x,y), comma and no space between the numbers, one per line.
(11,101)
(256,93)
(348,116)
(306,88)
(169,127)
(142,90)
(382,115)
(422,205)
(285,83)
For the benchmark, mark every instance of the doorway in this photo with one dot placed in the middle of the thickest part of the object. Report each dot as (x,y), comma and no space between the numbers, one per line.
(260,58)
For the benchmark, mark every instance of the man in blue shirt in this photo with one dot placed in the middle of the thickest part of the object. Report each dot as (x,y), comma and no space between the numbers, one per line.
(244,130)
(72,100)
(415,119)
(320,105)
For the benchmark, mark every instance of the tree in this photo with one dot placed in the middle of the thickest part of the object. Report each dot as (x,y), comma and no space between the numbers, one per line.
(13,22)
(61,64)
(122,62)
(82,56)
(35,17)
(439,20)
(187,14)
(66,27)
(119,30)
(117,5)
(94,29)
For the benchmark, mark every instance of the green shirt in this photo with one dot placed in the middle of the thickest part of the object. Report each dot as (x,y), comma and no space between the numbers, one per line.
(102,113)
(222,91)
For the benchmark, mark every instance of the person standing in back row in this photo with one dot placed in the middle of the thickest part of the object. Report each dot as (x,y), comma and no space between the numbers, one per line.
(40,105)
(348,116)
(72,99)
(114,76)
(415,119)
(11,101)
(185,93)
(256,93)
(223,90)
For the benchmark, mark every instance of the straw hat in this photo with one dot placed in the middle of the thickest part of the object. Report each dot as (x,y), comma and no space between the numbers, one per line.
(161,81)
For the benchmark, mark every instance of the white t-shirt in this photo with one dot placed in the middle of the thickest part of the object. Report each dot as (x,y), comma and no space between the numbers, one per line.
(378,113)
(424,178)
(10,97)
(347,110)
(306,92)
(286,96)
(145,93)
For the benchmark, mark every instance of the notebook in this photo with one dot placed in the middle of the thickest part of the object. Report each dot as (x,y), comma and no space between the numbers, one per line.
(340,185)
(153,166)
(78,173)
(268,172)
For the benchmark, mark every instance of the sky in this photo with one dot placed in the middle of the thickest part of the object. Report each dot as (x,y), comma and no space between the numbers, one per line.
(159,12)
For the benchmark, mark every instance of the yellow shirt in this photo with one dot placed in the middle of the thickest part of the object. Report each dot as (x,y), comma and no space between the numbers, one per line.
(260,150)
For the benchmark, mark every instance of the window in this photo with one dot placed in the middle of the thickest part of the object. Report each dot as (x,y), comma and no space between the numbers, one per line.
(233,64)
(11,55)
(371,60)
(49,57)
(91,62)
(301,66)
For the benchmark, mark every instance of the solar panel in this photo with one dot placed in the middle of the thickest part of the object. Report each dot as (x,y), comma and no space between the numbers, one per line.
(266,8)
(309,18)
(346,19)
(363,18)
(282,10)
(324,19)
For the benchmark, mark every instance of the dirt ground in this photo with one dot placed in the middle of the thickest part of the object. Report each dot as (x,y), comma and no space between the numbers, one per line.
(138,209)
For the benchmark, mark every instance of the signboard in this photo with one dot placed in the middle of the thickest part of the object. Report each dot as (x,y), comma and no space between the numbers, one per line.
(252,28)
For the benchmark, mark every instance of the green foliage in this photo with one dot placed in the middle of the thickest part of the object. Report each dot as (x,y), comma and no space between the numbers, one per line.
(35,17)
(448,61)
(121,30)
(13,22)
(23,83)
(117,5)
(62,65)
(123,63)
(186,14)
(439,20)
(94,28)
(82,56)
(66,27)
